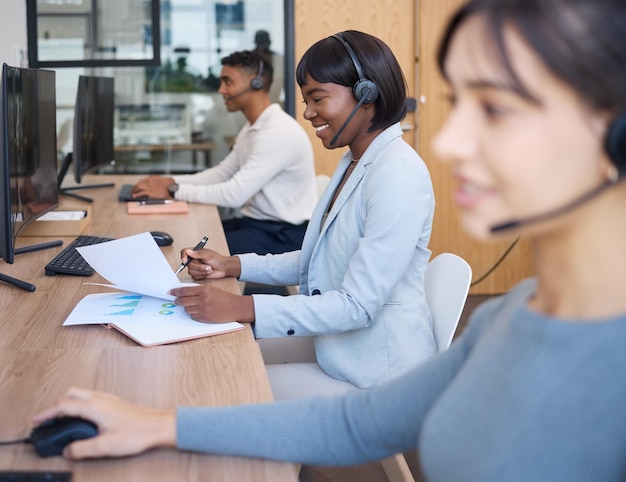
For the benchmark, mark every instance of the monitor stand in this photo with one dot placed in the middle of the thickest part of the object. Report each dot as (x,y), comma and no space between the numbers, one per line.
(17,283)
(28,249)
(65,191)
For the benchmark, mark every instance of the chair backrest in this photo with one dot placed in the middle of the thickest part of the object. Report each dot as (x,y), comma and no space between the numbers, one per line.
(447,281)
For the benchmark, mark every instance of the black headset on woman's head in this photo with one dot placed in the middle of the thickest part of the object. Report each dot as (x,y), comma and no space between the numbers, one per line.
(615,143)
(364,89)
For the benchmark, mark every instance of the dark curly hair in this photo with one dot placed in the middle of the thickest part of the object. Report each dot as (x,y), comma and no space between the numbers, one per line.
(251,61)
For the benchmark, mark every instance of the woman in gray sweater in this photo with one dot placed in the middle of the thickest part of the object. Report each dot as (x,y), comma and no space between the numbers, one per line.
(534,387)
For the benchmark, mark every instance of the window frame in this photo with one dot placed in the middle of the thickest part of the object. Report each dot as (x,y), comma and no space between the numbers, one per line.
(33,47)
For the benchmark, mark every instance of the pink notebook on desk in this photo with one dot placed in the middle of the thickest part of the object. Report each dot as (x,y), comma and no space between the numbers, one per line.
(176,207)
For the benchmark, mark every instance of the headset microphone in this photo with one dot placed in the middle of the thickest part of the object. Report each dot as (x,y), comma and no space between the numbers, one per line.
(247,89)
(554,212)
(336,136)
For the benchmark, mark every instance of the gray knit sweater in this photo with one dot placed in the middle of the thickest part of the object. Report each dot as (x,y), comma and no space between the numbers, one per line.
(518,397)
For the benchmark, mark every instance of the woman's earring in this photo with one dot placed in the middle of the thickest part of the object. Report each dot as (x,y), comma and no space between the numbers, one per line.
(613,174)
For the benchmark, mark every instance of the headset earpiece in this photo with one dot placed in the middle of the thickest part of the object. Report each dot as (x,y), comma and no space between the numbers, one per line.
(615,142)
(365,90)
(257,81)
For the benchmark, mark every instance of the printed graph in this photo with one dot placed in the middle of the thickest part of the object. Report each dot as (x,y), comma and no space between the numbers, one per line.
(133,302)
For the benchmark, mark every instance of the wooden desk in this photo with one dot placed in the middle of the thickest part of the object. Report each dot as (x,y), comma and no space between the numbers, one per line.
(40,359)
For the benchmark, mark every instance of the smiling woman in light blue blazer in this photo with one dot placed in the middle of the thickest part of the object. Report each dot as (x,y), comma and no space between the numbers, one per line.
(362,263)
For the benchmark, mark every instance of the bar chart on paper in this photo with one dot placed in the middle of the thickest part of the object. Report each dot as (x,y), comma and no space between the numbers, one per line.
(147,320)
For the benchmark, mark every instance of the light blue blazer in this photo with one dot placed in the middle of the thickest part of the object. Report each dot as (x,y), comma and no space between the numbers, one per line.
(361,273)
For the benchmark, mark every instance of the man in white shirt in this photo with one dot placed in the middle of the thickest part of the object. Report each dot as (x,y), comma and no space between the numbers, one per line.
(269,173)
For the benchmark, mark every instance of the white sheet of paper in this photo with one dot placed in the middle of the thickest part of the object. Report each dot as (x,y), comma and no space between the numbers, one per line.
(134,264)
(63,216)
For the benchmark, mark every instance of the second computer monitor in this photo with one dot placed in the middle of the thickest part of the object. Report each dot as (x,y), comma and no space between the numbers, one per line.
(93,124)
(93,129)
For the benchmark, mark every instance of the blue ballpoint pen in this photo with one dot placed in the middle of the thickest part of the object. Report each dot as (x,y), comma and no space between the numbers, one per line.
(200,245)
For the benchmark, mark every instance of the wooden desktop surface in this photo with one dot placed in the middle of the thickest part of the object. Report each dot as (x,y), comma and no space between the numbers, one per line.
(40,359)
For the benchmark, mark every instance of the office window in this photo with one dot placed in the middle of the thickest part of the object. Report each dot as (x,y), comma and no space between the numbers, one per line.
(91,33)
(169,117)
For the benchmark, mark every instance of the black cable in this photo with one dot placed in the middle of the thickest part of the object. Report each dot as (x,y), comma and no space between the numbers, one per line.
(497,263)
(16,441)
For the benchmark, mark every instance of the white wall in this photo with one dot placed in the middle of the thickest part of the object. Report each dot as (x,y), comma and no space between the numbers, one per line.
(13,44)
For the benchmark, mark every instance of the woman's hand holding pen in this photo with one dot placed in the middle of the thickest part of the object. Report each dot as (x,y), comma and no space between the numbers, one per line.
(208,264)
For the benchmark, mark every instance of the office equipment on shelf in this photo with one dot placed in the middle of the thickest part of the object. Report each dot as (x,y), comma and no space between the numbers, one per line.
(70,261)
(156,123)
(34,476)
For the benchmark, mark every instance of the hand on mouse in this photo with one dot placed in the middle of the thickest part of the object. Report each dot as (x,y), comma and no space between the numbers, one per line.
(208,264)
(124,428)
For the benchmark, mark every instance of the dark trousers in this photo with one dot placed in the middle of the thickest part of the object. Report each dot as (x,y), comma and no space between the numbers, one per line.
(247,235)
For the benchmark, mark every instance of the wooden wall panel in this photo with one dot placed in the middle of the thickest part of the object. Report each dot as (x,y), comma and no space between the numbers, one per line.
(398,23)
(393,21)
(447,232)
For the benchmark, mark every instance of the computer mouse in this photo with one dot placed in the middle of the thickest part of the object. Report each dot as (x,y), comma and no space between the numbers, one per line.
(161,238)
(51,437)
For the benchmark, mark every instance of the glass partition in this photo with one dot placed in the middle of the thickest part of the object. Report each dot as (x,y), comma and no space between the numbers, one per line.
(169,117)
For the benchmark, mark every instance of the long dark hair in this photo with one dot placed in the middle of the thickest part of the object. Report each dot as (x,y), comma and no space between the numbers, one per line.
(327,61)
(582,42)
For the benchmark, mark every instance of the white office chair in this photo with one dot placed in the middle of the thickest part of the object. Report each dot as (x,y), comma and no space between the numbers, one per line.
(447,281)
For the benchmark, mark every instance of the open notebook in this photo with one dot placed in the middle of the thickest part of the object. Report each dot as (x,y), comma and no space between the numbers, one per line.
(142,310)
(148,321)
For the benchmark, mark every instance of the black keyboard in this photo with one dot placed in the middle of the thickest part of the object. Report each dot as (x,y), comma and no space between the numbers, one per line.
(32,476)
(125,194)
(69,261)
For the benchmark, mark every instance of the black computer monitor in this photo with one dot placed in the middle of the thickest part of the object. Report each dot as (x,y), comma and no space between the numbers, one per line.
(93,131)
(28,157)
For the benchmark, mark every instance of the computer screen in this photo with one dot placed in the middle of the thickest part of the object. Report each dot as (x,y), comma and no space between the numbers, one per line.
(93,127)
(28,161)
